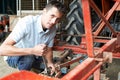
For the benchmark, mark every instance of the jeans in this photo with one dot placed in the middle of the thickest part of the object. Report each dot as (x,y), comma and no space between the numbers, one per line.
(25,62)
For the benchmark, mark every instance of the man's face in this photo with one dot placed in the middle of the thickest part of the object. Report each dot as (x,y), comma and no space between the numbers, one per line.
(51,17)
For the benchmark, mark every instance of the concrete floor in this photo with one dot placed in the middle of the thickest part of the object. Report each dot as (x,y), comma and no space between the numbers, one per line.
(113,70)
(5,69)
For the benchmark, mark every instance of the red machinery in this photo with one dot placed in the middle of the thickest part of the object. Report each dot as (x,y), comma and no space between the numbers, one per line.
(96,55)
(4,20)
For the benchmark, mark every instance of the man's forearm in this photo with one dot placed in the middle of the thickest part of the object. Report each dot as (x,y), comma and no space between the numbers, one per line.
(49,56)
(14,51)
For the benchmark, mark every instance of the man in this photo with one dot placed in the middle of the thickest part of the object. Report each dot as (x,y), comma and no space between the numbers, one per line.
(33,36)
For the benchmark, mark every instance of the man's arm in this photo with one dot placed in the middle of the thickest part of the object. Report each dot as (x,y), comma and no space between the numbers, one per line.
(7,48)
(49,58)
(49,55)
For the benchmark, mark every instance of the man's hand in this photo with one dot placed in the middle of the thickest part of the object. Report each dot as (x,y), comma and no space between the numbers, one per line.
(52,68)
(40,49)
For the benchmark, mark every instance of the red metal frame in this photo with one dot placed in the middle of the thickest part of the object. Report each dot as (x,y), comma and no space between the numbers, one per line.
(91,66)
(5,21)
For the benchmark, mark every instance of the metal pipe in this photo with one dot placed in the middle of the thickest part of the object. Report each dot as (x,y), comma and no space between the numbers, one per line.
(88,27)
(19,7)
(92,71)
(33,5)
(81,70)
(100,14)
(107,47)
(83,35)
(108,15)
(95,68)
(66,53)
(70,62)
(47,1)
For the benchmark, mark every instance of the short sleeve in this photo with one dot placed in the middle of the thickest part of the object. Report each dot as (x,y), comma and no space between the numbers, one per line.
(19,31)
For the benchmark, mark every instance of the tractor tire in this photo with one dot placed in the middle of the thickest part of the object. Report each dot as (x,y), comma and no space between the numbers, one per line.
(75,24)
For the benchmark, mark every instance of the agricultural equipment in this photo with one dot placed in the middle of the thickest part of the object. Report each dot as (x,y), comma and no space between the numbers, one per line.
(4,26)
(108,49)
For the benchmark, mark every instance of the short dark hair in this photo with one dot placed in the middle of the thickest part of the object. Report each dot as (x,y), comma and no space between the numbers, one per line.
(60,6)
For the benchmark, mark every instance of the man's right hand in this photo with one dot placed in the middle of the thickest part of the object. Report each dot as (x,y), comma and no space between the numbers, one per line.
(40,49)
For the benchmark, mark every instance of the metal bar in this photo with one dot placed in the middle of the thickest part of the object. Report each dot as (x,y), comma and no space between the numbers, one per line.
(105,6)
(100,14)
(109,46)
(70,62)
(75,49)
(81,70)
(99,23)
(33,5)
(117,0)
(82,35)
(96,67)
(66,53)
(92,71)
(116,55)
(109,14)
(101,40)
(84,70)
(19,8)
(97,74)
(87,24)
(47,1)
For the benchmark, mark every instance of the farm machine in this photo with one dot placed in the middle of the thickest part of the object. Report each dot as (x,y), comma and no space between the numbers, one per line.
(92,33)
